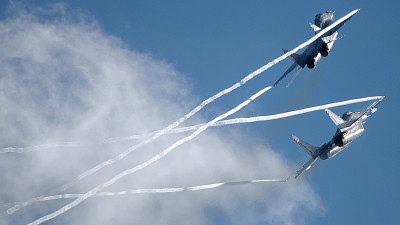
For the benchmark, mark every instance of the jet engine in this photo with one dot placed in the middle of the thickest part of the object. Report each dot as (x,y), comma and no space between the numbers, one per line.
(324,155)
(348,137)
(324,49)
(311,62)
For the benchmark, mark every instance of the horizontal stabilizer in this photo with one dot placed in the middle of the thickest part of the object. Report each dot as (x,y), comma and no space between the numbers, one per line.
(311,150)
(305,167)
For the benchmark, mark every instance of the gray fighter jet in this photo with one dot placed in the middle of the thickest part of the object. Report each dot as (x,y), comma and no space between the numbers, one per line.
(349,127)
(320,47)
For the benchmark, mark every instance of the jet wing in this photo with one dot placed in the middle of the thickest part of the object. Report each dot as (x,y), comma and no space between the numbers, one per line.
(347,18)
(286,73)
(371,109)
(305,167)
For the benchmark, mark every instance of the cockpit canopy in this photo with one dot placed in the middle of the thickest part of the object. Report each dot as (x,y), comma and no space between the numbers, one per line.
(323,20)
(349,116)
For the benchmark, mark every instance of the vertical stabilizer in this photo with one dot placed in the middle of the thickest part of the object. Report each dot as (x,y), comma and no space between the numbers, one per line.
(315,28)
(299,59)
(339,122)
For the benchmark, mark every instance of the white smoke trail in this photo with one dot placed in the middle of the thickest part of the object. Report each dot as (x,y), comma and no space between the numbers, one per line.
(145,164)
(184,129)
(250,119)
(194,127)
(42,147)
(199,107)
(148,191)
(159,190)
(264,118)
(235,121)
(278,116)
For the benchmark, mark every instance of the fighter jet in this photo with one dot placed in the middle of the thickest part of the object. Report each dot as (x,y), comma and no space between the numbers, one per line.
(349,127)
(320,47)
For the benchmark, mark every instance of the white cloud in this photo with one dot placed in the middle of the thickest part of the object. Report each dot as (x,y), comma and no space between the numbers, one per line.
(64,79)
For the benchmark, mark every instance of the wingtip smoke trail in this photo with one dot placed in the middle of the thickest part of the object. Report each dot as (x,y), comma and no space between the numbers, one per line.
(220,123)
(162,190)
(277,116)
(286,114)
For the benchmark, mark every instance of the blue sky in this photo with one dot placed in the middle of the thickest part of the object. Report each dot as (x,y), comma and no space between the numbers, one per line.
(203,48)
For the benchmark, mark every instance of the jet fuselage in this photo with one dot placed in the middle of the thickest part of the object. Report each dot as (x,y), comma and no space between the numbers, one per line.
(342,140)
(320,47)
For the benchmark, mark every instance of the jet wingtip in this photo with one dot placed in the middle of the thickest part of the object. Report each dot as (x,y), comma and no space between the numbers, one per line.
(296,139)
(357,10)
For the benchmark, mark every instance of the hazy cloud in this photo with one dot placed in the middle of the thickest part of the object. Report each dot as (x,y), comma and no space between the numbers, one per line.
(63,79)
